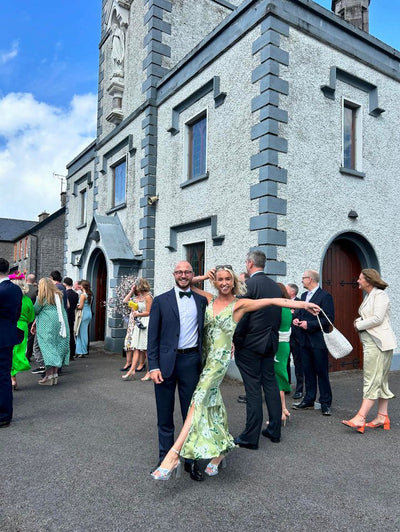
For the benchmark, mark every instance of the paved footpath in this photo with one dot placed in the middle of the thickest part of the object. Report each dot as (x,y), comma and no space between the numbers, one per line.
(77,457)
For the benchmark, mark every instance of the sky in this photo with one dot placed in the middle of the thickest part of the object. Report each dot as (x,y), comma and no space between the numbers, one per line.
(48,93)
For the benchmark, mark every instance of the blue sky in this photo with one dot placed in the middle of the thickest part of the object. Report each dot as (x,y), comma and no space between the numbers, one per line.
(48,91)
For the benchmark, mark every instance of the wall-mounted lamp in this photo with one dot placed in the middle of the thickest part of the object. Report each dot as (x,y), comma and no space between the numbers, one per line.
(352,215)
(152,200)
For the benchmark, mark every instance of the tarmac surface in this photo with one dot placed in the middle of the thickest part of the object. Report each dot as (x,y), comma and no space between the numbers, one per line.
(77,457)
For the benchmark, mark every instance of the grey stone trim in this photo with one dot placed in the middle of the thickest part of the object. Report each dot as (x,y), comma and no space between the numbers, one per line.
(350,171)
(81,160)
(270,144)
(194,180)
(212,85)
(195,224)
(337,73)
(87,177)
(224,3)
(127,141)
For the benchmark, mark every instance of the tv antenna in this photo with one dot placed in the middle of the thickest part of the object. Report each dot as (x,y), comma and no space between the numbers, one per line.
(63,181)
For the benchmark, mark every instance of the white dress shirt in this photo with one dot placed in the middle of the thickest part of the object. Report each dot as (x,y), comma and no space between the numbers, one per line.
(189,334)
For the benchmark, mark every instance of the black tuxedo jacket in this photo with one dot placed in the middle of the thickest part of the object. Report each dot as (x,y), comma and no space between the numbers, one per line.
(10,310)
(313,332)
(258,332)
(164,330)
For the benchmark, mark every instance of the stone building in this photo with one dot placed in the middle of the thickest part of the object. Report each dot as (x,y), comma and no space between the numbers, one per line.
(224,126)
(10,229)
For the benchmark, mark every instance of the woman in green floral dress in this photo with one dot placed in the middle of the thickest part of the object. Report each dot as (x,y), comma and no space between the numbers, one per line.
(205,432)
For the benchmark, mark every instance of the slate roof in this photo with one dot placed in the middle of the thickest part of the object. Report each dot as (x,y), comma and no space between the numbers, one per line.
(10,228)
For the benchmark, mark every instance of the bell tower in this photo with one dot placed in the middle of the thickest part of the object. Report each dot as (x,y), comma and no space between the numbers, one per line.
(354,11)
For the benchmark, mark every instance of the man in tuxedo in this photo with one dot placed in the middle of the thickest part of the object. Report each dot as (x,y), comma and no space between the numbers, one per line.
(73,300)
(174,348)
(292,289)
(314,354)
(256,341)
(10,335)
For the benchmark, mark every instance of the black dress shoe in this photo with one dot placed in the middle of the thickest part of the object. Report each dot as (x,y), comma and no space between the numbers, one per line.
(4,423)
(326,410)
(193,469)
(241,399)
(245,444)
(268,435)
(297,395)
(302,406)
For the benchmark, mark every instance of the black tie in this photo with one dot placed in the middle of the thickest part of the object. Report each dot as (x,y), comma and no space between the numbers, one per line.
(183,294)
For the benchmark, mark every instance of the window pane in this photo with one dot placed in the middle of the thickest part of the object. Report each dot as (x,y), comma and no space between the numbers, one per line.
(195,255)
(83,206)
(349,138)
(119,183)
(198,148)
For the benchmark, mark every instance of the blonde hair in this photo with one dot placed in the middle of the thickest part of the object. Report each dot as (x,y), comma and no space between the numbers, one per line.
(47,291)
(373,277)
(142,285)
(239,288)
(22,284)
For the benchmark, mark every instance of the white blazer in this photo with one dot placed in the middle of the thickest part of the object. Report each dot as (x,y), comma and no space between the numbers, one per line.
(375,318)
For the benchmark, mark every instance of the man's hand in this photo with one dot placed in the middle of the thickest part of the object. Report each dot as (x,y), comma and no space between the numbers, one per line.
(296,322)
(303,325)
(156,376)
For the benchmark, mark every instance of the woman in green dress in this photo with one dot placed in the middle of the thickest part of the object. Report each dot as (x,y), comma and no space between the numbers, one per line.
(19,360)
(205,432)
(282,355)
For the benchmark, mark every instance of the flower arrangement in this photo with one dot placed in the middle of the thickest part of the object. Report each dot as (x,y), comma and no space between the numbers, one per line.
(121,309)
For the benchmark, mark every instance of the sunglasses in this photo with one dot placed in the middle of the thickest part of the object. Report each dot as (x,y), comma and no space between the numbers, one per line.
(224,267)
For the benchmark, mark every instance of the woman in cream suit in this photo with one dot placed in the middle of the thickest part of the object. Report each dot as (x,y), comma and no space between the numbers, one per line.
(378,341)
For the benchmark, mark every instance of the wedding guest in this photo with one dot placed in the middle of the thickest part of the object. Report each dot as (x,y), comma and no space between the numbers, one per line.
(85,301)
(293,290)
(205,433)
(282,355)
(136,335)
(73,300)
(32,294)
(27,316)
(378,340)
(52,330)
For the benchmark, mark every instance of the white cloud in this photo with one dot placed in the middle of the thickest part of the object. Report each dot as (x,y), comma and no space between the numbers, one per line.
(37,139)
(6,56)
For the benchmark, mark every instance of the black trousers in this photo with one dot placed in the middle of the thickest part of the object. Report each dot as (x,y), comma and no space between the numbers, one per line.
(298,366)
(316,372)
(258,375)
(6,396)
(185,377)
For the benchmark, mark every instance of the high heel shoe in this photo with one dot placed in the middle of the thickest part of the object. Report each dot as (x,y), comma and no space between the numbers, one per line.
(128,377)
(14,383)
(165,474)
(55,378)
(212,469)
(385,424)
(146,377)
(46,381)
(143,368)
(359,428)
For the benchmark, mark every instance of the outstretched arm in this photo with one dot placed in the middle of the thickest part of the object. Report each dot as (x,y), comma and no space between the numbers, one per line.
(250,305)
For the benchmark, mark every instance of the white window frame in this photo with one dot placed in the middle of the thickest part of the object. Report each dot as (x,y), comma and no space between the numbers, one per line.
(188,123)
(346,102)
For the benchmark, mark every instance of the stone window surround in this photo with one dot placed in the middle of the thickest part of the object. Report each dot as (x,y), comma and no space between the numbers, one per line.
(112,167)
(357,171)
(195,224)
(186,166)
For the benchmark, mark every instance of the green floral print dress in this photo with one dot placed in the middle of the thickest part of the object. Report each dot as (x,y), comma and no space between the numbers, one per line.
(208,435)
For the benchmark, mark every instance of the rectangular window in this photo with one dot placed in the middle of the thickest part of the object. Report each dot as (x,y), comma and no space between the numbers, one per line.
(26,246)
(351,136)
(197,144)
(83,205)
(119,184)
(195,255)
(15,252)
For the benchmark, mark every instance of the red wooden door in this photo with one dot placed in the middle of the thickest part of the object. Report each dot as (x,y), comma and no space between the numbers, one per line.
(101,296)
(340,272)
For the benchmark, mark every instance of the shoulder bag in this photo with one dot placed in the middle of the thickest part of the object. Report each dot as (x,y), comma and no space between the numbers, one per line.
(337,344)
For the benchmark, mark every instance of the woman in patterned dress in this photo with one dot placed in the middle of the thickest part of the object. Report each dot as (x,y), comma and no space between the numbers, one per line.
(85,302)
(205,432)
(136,334)
(52,330)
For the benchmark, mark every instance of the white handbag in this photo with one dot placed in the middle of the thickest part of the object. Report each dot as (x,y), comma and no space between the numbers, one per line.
(337,344)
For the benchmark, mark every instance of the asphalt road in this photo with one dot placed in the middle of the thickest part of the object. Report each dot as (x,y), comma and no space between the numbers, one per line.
(77,457)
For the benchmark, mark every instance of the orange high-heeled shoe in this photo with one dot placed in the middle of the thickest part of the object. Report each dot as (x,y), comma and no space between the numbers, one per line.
(359,428)
(385,424)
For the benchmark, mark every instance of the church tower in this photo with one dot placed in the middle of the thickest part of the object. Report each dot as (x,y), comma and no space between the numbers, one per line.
(354,11)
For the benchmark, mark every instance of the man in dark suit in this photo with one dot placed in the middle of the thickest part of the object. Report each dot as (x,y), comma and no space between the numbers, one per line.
(73,299)
(314,354)
(292,289)
(10,335)
(174,347)
(256,342)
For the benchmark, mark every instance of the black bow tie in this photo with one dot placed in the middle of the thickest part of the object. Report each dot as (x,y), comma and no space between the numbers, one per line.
(183,294)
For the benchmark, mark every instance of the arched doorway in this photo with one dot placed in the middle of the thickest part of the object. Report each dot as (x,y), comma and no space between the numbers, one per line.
(346,256)
(98,275)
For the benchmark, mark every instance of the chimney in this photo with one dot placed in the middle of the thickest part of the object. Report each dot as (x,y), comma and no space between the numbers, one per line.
(63,199)
(354,11)
(43,215)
